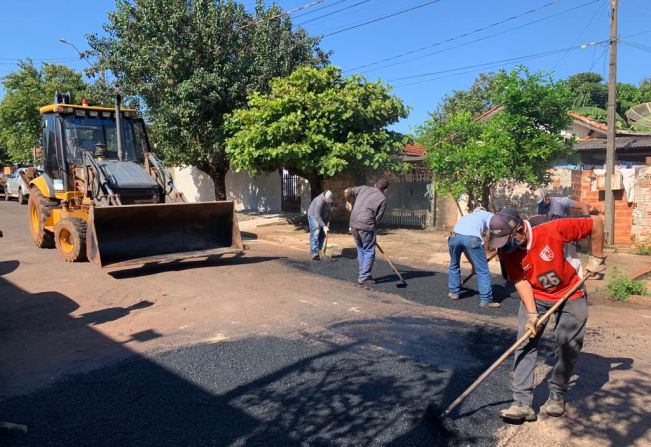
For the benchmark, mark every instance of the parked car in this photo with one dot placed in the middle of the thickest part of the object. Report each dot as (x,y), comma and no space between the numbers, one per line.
(16,186)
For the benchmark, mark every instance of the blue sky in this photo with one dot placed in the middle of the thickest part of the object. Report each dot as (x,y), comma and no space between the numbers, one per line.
(420,78)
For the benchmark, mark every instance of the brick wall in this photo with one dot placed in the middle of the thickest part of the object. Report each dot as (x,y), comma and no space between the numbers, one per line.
(584,182)
(641,225)
(632,221)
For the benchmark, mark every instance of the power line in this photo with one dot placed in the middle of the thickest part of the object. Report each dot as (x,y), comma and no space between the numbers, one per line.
(638,46)
(478,39)
(281,14)
(596,61)
(594,16)
(329,5)
(503,61)
(333,12)
(402,11)
(314,19)
(407,53)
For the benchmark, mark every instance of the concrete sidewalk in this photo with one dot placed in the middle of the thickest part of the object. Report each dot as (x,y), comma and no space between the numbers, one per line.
(425,248)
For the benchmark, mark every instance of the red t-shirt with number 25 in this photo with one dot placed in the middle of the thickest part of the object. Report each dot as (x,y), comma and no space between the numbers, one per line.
(543,263)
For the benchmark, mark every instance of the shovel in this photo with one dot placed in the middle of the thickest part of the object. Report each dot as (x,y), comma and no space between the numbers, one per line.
(490,258)
(515,346)
(402,283)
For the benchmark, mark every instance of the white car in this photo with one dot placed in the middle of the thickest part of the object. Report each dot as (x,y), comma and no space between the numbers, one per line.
(15,186)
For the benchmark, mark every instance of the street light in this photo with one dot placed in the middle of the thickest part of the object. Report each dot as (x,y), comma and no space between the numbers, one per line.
(83,55)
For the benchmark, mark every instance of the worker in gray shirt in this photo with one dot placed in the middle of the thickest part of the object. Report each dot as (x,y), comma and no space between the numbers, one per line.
(318,217)
(365,214)
(557,207)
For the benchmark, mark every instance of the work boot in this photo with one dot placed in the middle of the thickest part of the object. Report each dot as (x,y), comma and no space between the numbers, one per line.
(366,282)
(453,296)
(555,405)
(518,412)
(316,257)
(492,305)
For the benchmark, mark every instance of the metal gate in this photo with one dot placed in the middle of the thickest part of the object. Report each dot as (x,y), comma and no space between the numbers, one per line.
(407,201)
(292,187)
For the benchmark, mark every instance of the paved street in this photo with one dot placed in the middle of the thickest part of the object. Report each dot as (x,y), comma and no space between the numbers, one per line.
(271,349)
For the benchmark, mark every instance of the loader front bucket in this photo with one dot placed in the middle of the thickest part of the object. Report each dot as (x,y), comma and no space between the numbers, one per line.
(140,234)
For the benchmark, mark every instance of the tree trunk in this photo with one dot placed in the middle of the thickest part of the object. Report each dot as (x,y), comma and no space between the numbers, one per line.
(316,185)
(218,177)
(485,196)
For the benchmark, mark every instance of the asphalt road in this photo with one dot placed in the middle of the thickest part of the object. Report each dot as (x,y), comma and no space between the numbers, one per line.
(426,287)
(364,381)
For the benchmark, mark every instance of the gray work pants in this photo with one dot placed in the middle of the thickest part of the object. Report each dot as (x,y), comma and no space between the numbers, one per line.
(568,333)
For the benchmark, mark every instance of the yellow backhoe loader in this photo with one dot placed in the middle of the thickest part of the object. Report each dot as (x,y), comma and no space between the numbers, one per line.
(105,197)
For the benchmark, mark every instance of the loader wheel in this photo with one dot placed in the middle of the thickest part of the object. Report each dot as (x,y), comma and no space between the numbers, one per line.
(39,209)
(70,239)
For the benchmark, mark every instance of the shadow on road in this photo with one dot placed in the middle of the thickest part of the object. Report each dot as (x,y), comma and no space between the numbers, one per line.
(112,313)
(356,383)
(176,266)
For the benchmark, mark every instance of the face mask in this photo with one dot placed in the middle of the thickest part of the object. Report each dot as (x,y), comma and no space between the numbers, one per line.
(512,244)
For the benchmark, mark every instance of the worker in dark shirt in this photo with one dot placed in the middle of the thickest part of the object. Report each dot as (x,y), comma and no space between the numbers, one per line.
(365,214)
(318,217)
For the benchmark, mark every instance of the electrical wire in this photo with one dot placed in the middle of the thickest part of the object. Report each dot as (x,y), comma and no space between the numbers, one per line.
(503,61)
(459,36)
(638,46)
(479,39)
(594,16)
(313,19)
(402,11)
(281,14)
(329,5)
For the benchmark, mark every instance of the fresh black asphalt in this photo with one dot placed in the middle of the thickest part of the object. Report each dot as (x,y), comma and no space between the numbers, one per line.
(360,383)
(425,287)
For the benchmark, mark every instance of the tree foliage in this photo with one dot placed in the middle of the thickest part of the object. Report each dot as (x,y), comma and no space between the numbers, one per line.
(317,123)
(193,62)
(476,100)
(26,90)
(520,143)
(591,90)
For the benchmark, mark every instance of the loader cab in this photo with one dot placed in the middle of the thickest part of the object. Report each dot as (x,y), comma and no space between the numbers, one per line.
(69,130)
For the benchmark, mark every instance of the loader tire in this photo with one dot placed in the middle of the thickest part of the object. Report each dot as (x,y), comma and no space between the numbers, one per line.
(39,209)
(70,239)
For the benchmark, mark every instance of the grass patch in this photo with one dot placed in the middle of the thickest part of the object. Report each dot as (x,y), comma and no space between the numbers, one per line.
(620,287)
(644,250)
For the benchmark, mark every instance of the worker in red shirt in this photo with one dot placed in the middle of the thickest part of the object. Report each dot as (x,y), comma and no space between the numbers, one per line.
(534,261)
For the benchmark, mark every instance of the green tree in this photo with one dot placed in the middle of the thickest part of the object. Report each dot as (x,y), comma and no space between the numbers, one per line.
(520,143)
(476,100)
(190,63)
(588,89)
(26,90)
(317,123)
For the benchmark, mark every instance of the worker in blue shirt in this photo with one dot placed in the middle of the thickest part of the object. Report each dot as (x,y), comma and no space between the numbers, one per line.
(468,237)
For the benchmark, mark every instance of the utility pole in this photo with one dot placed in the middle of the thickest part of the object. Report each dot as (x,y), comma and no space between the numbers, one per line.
(612,130)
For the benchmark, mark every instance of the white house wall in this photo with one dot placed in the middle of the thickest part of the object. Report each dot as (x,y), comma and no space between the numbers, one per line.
(261,193)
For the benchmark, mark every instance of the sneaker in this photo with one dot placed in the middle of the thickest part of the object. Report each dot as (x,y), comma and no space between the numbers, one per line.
(316,257)
(555,405)
(492,305)
(518,412)
(453,296)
